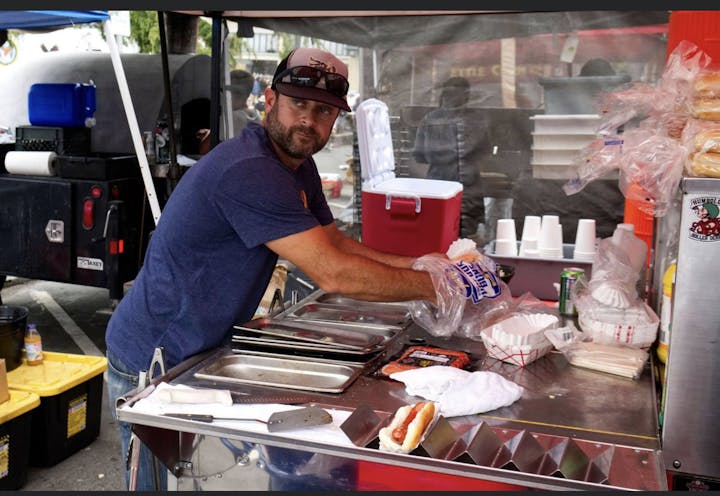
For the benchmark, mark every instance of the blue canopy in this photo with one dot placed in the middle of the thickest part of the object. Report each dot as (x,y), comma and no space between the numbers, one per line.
(44,19)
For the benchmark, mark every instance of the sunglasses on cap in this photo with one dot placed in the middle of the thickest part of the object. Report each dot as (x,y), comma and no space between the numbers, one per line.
(310,77)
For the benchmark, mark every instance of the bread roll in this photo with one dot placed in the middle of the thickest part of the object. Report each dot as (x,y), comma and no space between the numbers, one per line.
(415,429)
(706,108)
(705,164)
(707,84)
(708,140)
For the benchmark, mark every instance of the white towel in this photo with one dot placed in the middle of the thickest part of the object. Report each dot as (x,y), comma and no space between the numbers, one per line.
(458,391)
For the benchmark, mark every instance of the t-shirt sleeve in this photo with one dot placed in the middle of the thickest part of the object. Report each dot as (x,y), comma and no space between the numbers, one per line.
(262,202)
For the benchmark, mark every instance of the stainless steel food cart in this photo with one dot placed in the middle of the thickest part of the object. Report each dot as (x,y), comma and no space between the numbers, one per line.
(572,429)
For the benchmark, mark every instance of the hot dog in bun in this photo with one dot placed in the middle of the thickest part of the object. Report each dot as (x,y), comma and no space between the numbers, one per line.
(407,427)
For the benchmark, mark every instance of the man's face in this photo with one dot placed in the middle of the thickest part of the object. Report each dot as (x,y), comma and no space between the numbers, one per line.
(300,128)
(701,211)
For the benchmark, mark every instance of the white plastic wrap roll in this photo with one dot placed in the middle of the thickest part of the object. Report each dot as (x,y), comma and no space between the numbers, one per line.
(31,163)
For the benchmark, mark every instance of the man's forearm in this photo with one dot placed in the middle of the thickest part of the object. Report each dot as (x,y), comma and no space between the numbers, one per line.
(349,245)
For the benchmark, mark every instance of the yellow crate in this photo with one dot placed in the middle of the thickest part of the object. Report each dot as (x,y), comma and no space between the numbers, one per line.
(57,373)
(20,402)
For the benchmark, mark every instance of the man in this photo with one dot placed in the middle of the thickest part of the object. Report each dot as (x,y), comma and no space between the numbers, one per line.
(250,200)
(241,85)
(453,143)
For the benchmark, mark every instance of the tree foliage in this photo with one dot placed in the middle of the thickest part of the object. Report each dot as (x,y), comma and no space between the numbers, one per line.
(145,31)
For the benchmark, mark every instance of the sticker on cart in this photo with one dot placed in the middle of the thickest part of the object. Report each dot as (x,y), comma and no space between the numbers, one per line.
(77,415)
(477,282)
(705,225)
(4,455)
(90,263)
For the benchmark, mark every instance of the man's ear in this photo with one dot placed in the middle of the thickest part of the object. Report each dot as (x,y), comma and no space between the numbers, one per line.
(270,99)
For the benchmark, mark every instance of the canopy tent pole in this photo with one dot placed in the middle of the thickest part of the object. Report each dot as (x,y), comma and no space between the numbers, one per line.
(132,121)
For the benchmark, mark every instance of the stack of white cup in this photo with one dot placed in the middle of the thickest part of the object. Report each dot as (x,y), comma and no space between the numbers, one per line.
(529,239)
(505,238)
(550,242)
(585,240)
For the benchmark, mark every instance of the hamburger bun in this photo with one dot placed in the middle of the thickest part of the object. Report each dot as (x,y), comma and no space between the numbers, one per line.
(401,436)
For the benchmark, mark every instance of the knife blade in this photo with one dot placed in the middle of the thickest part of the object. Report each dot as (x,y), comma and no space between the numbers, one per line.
(277,422)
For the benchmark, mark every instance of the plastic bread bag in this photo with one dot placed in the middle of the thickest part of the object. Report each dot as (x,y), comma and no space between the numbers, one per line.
(468,291)
(672,96)
(702,139)
(596,160)
(682,68)
(655,166)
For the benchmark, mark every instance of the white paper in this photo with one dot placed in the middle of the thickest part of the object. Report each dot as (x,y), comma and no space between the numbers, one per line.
(31,163)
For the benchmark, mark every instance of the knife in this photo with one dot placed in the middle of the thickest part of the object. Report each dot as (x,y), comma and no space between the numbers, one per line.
(277,422)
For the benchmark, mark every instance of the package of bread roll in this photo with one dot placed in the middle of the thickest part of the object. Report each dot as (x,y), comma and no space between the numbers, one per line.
(706,108)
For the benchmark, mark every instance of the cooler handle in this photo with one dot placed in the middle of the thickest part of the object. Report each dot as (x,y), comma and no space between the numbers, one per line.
(404,205)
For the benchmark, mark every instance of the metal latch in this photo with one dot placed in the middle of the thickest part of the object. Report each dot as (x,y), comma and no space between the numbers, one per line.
(55,231)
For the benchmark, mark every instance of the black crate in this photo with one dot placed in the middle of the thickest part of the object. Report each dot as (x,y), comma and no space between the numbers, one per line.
(4,148)
(15,444)
(61,140)
(52,437)
(99,166)
(14,437)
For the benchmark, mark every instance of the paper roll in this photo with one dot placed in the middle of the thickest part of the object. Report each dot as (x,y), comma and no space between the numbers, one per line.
(31,163)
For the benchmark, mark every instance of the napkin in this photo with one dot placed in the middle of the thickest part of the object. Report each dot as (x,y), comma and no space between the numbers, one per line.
(459,392)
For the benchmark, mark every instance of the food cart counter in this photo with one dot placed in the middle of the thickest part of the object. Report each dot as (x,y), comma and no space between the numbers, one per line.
(572,429)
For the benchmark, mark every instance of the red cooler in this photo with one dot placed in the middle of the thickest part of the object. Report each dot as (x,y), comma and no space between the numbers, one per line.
(404,216)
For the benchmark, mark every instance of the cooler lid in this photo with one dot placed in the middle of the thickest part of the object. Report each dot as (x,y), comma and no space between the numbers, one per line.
(417,187)
(377,160)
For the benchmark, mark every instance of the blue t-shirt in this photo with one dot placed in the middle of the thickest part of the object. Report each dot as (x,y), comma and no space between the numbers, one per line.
(207,266)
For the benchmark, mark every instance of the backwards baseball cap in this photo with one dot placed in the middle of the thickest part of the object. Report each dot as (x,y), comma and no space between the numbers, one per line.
(313,74)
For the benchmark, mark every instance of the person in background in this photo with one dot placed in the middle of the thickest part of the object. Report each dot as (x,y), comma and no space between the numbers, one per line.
(596,67)
(241,85)
(453,143)
(249,201)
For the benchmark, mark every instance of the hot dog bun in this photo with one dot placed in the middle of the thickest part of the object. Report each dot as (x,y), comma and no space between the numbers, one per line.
(415,429)
(708,140)
(705,164)
(707,109)
(707,84)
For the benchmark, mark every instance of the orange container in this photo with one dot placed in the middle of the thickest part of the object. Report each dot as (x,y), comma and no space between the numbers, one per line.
(699,27)
(643,221)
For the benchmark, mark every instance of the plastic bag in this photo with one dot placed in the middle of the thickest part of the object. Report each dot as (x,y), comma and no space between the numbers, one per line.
(609,306)
(583,352)
(597,159)
(655,164)
(468,293)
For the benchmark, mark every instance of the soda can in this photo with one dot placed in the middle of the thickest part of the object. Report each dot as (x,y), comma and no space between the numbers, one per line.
(568,278)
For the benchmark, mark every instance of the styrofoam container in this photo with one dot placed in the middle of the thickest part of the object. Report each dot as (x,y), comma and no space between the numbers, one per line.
(566,123)
(567,141)
(404,216)
(543,156)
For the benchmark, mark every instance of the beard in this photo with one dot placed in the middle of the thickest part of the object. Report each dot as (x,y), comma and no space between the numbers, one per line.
(296,141)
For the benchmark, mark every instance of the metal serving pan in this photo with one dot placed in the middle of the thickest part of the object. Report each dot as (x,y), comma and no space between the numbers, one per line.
(338,337)
(358,314)
(339,299)
(289,345)
(283,371)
